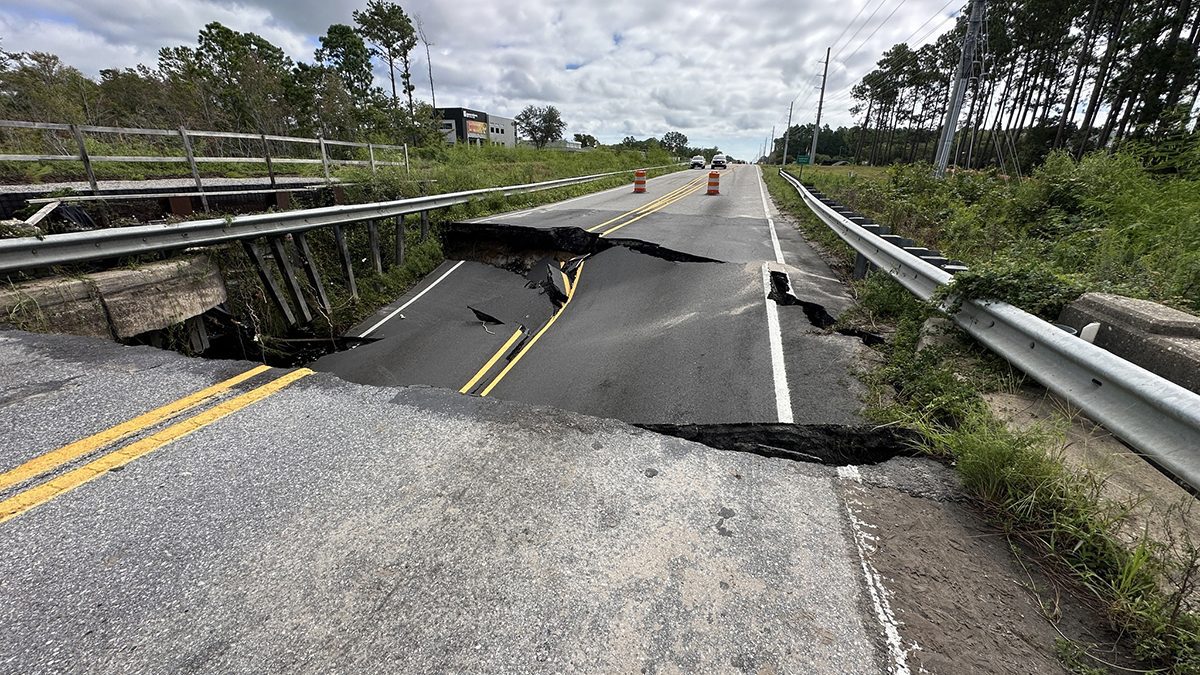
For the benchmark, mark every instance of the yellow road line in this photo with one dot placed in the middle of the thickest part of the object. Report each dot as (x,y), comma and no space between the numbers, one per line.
(644,210)
(491,362)
(40,494)
(655,210)
(690,184)
(72,451)
(529,345)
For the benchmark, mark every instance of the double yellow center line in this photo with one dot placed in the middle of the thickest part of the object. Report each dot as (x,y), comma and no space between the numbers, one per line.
(651,207)
(627,218)
(111,454)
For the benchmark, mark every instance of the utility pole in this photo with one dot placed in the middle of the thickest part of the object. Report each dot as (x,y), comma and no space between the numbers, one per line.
(787,132)
(812,156)
(965,65)
(771,142)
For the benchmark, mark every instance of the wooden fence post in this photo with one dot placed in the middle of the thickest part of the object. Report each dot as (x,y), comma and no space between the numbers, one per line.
(324,158)
(87,161)
(191,158)
(267,156)
(371,151)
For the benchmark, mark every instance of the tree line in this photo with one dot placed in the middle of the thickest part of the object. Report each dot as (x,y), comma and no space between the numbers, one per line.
(235,81)
(674,142)
(1075,75)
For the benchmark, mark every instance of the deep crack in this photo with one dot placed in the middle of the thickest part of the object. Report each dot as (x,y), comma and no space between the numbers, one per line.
(819,443)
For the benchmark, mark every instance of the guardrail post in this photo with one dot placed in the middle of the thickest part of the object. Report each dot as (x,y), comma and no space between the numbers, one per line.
(267,156)
(373,241)
(324,158)
(87,161)
(311,271)
(191,158)
(371,153)
(424,214)
(344,256)
(400,240)
(284,263)
(268,280)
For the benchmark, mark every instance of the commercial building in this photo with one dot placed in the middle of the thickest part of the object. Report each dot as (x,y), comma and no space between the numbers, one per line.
(475,127)
(502,130)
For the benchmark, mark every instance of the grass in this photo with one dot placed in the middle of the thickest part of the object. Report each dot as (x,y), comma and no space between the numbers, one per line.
(1108,223)
(1017,477)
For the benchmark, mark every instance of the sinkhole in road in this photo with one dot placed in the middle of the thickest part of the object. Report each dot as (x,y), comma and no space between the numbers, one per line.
(523,250)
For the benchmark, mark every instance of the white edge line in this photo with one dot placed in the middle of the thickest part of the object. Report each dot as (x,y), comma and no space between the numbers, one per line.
(762,192)
(879,601)
(783,394)
(415,298)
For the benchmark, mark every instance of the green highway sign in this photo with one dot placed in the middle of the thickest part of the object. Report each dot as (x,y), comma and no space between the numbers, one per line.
(803,159)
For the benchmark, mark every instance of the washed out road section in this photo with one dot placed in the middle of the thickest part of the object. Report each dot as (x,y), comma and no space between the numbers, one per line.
(334,526)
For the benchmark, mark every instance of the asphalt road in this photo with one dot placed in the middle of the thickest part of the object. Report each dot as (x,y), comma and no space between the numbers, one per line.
(334,527)
(644,339)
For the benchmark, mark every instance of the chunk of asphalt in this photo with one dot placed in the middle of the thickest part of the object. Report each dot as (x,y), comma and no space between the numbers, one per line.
(485,317)
(814,443)
(549,276)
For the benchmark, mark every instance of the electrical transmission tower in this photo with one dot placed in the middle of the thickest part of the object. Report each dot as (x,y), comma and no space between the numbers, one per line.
(965,65)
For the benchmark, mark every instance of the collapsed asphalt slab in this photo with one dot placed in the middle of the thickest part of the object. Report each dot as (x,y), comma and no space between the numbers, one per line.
(652,336)
(334,526)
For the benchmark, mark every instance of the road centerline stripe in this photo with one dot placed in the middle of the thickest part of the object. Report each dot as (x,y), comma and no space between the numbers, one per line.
(529,345)
(84,446)
(651,204)
(44,492)
(656,209)
(492,361)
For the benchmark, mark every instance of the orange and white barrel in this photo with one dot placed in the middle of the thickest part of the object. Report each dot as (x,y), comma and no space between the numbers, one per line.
(639,181)
(714,183)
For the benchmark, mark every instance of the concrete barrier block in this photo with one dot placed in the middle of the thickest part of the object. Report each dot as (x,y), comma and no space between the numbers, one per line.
(55,305)
(1161,339)
(158,295)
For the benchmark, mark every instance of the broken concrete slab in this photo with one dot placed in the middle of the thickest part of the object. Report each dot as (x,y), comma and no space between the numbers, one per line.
(158,295)
(1161,339)
(55,305)
(116,304)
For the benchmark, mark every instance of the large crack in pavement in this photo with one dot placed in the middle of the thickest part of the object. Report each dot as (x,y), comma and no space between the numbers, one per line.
(517,248)
(821,443)
(654,342)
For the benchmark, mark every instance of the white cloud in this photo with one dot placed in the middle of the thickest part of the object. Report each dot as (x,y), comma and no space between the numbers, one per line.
(722,73)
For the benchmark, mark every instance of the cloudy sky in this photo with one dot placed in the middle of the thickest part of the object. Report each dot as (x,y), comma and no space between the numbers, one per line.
(721,72)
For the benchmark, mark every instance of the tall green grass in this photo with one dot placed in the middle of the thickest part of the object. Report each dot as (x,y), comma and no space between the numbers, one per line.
(1106,223)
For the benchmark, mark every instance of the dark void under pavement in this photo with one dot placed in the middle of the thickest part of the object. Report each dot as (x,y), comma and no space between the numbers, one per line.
(670,341)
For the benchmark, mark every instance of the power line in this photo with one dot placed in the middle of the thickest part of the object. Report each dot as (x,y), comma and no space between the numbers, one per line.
(851,23)
(909,60)
(864,25)
(881,24)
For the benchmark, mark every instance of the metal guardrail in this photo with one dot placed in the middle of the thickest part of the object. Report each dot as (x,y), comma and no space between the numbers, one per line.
(1155,416)
(60,249)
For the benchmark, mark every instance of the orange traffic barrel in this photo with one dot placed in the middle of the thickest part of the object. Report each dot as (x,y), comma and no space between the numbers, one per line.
(639,181)
(714,183)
